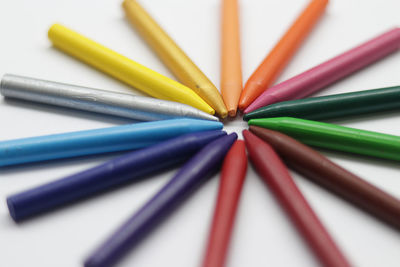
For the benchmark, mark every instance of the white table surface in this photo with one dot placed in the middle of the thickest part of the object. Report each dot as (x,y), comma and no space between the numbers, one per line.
(263,235)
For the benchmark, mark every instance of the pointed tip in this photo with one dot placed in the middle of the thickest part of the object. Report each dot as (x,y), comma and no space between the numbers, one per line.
(240,142)
(252,122)
(203,125)
(223,115)
(210,94)
(253,142)
(222,112)
(206,137)
(258,122)
(211,133)
(223,144)
(242,106)
(247,117)
(210,110)
(256,114)
(245,103)
(203,106)
(263,100)
(273,138)
(220,109)
(232,113)
(252,89)
(226,140)
(213,125)
(208,117)
(213,118)
(257,130)
(248,109)
(233,135)
(253,128)
(194,113)
(245,133)
(249,138)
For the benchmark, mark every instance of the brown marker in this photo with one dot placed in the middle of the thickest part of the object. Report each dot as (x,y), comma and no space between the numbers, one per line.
(324,172)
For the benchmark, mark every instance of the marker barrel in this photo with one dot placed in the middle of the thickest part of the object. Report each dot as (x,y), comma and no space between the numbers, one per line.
(331,176)
(230,187)
(180,187)
(267,72)
(116,172)
(279,181)
(231,65)
(173,56)
(330,71)
(333,106)
(124,69)
(335,137)
(89,142)
(95,100)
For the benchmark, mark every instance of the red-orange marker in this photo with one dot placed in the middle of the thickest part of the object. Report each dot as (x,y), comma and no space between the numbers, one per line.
(280,55)
(278,179)
(231,183)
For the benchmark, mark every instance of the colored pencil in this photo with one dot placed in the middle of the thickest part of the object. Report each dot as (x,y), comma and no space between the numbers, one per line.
(278,179)
(124,69)
(335,137)
(331,176)
(264,76)
(194,173)
(231,66)
(173,56)
(95,100)
(333,106)
(125,169)
(330,71)
(89,142)
(230,187)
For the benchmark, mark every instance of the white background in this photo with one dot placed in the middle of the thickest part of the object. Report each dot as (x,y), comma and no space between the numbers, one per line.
(263,234)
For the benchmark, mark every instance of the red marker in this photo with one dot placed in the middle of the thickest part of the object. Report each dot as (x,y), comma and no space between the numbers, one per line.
(278,179)
(231,183)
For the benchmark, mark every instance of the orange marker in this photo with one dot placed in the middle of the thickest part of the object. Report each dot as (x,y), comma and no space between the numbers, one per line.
(277,59)
(231,70)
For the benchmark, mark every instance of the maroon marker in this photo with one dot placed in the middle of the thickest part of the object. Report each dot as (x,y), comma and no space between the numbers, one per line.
(275,174)
(324,172)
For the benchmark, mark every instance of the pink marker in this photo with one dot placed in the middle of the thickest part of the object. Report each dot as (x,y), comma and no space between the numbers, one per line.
(330,71)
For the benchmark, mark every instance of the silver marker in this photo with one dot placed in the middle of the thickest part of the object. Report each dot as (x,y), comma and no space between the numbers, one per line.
(95,100)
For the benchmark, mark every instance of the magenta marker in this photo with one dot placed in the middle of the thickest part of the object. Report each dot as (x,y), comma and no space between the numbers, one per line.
(330,71)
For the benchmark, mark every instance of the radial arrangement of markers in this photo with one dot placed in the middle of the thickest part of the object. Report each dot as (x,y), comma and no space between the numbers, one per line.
(180,117)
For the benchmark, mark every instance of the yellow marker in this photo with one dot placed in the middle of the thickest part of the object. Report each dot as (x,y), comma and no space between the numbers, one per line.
(124,69)
(173,57)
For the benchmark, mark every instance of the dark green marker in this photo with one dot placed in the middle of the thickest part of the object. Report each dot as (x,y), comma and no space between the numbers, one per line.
(335,137)
(333,106)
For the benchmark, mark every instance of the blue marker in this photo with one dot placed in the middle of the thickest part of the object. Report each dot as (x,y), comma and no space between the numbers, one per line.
(119,138)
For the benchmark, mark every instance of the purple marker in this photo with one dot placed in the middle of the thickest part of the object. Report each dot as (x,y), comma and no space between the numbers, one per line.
(127,168)
(186,181)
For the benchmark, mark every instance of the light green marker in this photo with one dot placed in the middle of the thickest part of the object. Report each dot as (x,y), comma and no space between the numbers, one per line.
(335,137)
